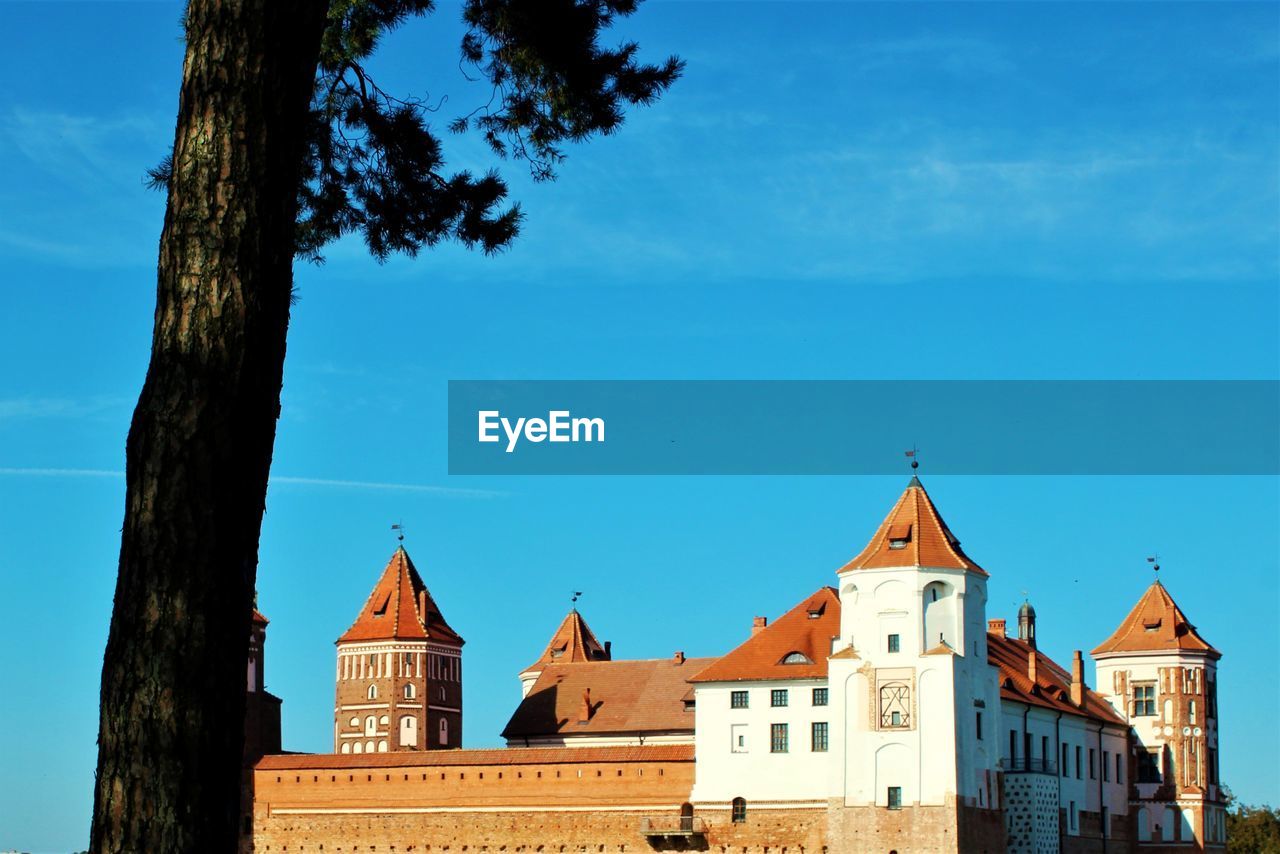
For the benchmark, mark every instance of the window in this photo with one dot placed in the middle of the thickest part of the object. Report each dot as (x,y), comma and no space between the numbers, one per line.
(739,810)
(895,706)
(1071,816)
(819,696)
(1119,777)
(778,738)
(1013,747)
(1093,772)
(409,691)
(370,726)
(778,697)
(895,797)
(443,695)
(1079,763)
(818,737)
(1144,700)
(796,658)
(1044,750)
(1149,770)
(977,723)
(444,730)
(737,699)
(738,738)
(373,692)
(1106,767)
(895,643)
(1064,760)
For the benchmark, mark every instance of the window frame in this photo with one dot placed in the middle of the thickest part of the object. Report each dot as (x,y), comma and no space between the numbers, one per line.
(819,734)
(735,696)
(779,698)
(822,693)
(779,738)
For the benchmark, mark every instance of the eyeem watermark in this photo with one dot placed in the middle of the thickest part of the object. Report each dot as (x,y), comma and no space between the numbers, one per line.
(558,426)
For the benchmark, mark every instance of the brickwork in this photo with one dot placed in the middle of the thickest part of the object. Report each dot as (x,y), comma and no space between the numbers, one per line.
(947,829)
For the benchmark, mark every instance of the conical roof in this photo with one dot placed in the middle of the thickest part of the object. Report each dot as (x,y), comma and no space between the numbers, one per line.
(572,643)
(1155,624)
(913,534)
(400,608)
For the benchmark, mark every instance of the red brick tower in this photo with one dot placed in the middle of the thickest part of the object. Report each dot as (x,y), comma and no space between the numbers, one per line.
(1161,676)
(262,709)
(399,678)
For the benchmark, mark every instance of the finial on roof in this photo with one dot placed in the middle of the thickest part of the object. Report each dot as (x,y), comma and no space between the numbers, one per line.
(1155,566)
(573,603)
(915,464)
(398,527)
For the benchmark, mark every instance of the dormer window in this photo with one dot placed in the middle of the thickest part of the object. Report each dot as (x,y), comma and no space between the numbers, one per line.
(796,658)
(816,611)
(899,535)
(381,610)
(1151,625)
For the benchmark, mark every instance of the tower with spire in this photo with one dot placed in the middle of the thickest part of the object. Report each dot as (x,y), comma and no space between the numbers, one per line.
(911,680)
(572,643)
(1161,676)
(399,675)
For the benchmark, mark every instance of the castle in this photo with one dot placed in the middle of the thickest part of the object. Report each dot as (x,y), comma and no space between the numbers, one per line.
(885,714)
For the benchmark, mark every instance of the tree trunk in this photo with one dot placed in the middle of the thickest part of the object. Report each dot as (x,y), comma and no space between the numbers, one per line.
(199,447)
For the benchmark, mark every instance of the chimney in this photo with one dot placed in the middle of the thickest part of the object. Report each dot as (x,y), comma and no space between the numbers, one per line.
(678,658)
(1033,666)
(584,714)
(1077,679)
(997,627)
(608,650)
(758,624)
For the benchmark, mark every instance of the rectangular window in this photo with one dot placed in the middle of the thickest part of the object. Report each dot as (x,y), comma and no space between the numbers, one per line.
(1071,816)
(895,797)
(1093,772)
(1013,747)
(1106,767)
(1148,766)
(778,738)
(1119,777)
(819,736)
(895,643)
(738,737)
(1064,760)
(778,697)
(819,696)
(1079,763)
(1144,700)
(977,723)
(737,699)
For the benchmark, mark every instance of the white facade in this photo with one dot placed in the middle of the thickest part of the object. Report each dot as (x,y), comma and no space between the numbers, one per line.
(736,752)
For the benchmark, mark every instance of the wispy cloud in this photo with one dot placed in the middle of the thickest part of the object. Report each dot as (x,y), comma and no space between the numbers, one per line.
(21,408)
(431,489)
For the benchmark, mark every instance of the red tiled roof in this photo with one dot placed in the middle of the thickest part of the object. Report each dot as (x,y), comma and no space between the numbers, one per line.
(1052,688)
(496,756)
(928,540)
(626,697)
(572,642)
(806,629)
(258,619)
(400,608)
(1156,624)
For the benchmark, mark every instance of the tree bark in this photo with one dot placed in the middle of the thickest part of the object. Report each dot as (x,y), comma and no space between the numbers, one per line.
(199,447)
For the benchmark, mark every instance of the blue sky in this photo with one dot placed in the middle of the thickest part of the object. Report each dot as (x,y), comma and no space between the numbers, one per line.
(835,190)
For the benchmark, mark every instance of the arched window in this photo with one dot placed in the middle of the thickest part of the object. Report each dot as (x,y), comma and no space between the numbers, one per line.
(739,809)
(368,747)
(346,747)
(940,615)
(442,694)
(373,692)
(382,747)
(796,658)
(370,725)
(355,722)
(359,748)
(1144,825)
(409,691)
(408,731)
(384,720)
(444,730)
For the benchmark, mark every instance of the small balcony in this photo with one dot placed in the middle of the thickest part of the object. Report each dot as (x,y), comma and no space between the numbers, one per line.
(674,827)
(1026,765)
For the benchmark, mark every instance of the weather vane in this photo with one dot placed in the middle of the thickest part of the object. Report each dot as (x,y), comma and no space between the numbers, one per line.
(576,594)
(1155,566)
(911,455)
(398,527)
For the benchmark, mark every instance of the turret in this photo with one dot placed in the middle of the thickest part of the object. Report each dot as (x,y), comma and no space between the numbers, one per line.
(399,677)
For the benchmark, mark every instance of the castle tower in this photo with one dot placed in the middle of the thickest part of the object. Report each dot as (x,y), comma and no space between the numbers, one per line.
(399,678)
(920,700)
(1161,676)
(572,643)
(1027,624)
(262,709)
